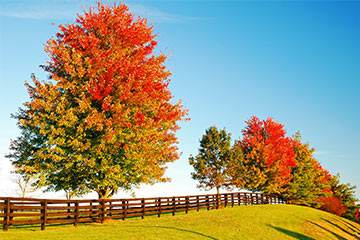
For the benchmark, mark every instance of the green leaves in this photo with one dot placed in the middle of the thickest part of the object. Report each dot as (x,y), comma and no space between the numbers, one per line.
(211,163)
(308,182)
(104,120)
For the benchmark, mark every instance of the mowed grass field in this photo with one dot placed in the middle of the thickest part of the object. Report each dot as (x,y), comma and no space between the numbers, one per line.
(239,222)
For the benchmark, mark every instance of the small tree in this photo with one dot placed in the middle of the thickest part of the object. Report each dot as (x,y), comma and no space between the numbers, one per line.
(309,181)
(267,157)
(25,184)
(211,163)
(333,205)
(237,168)
(346,193)
(104,121)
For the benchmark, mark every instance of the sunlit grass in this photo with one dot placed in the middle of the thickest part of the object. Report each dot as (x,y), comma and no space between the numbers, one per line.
(244,222)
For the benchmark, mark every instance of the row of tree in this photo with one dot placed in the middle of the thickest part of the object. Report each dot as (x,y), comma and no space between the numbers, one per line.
(104,121)
(266,160)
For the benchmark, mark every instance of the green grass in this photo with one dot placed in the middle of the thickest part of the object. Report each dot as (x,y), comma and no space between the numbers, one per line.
(244,222)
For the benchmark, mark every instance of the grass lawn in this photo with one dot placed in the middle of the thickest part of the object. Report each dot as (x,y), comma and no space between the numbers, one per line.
(243,222)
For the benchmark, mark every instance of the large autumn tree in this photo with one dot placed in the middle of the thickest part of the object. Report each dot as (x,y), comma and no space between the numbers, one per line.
(211,162)
(104,119)
(266,157)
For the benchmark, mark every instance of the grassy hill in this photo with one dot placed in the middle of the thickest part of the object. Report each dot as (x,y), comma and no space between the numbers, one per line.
(243,222)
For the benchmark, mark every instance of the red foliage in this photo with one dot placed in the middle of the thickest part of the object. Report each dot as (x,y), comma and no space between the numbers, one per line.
(324,172)
(333,205)
(264,142)
(107,81)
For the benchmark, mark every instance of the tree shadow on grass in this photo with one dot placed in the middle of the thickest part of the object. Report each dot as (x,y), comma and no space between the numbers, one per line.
(328,230)
(180,229)
(341,228)
(37,227)
(292,233)
(349,224)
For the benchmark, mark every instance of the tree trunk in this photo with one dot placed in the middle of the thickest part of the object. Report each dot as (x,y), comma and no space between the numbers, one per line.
(105,193)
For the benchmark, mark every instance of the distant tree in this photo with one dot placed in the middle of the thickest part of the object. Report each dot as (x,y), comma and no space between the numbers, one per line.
(211,163)
(333,205)
(71,190)
(267,157)
(346,193)
(104,120)
(309,180)
(24,183)
(237,168)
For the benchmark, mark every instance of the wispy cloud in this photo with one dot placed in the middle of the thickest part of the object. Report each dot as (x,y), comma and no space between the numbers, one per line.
(157,16)
(68,9)
(320,153)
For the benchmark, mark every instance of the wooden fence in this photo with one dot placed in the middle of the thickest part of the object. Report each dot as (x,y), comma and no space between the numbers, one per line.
(23,211)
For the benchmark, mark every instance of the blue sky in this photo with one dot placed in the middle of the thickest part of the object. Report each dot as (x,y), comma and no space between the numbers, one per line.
(298,62)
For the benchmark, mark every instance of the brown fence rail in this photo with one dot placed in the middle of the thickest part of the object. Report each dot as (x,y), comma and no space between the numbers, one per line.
(23,211)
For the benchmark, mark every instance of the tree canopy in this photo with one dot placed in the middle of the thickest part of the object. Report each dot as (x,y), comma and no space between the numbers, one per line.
(211,163)
(104,120)
(309,180)
(267,157)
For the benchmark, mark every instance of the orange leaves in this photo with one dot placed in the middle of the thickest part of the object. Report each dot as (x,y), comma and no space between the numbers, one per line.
(105,118)
(102,86)
(267,149)
(268,137)
(139,118)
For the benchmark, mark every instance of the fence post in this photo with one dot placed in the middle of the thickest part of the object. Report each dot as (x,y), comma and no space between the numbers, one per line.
(159,204)
(217,201)
(174,203)
(7,214)
(198,203)
(232,199)
(76,213)
(187,204)
(43,214)
(208,202)
(143,208)
(124,203)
